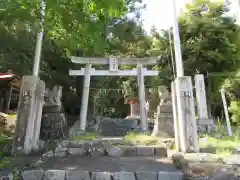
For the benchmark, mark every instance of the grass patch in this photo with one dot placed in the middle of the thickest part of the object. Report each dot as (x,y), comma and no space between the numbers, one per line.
(87,136)
(224,145)
(140,139)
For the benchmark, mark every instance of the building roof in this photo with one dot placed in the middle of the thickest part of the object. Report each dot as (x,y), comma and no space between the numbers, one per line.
(13,79)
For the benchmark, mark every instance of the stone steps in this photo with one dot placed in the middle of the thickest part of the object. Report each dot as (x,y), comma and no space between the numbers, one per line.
(85,175)
(111,147)
(111,151)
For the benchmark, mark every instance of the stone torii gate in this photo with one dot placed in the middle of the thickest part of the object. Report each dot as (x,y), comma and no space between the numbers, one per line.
(114,70)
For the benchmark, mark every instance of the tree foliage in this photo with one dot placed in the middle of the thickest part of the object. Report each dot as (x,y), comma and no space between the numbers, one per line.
(107,27)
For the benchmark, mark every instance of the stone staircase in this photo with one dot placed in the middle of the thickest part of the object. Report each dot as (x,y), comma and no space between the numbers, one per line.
(106,147)
(85,175)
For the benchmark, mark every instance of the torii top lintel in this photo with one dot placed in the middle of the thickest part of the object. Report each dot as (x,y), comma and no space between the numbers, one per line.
(122,61)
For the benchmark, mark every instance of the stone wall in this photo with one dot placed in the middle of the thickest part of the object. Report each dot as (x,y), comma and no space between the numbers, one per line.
(85,175)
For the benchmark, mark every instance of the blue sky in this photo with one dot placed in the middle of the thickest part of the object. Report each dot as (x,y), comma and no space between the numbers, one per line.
(159,13)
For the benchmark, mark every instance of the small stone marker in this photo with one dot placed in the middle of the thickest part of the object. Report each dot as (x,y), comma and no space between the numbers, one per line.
(170,176)
(77,175)
(54,174)
(123,176)
(32,175)
(101,176)
(6,174)
(147,175)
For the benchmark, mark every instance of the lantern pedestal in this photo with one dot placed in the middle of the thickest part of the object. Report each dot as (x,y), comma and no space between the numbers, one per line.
(134,108)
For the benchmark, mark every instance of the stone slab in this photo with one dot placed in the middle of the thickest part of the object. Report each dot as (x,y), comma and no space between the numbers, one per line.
(146,175)
(60,154)
(76,144)
(170,176)
(161,151)
(233,160)
(197,157)
(32,174)
(77,175)
(112,141)
(211,150)
(60,149)
(129,150)
(77,151)
(123,176)
(54,174)
(115,151)
(96,152)
(145,151)
(101,176)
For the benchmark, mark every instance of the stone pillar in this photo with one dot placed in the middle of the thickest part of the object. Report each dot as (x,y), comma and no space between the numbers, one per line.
(205,124)
(38,113)
(85,96)
(175,117)
(226,112)
(141,96)
(201,97)
(25,117)
(186,115)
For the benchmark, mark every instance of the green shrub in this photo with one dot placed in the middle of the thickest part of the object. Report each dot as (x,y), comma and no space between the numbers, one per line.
(140,139)
(5,145)
(235,110)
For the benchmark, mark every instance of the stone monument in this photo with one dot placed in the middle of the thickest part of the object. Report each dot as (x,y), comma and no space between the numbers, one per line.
(163,125)
(29,115)
(53,119)
(205,124)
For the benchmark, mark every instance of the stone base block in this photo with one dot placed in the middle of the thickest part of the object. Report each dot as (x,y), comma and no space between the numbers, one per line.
(123,176)
(206,129)
(170,176)
(101,176)
(77,175)
(54,174)
(161,151)
(53,125)
(32,174)
(145,151)
(52,108)
(115,151)
(205,122)
(147,175)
